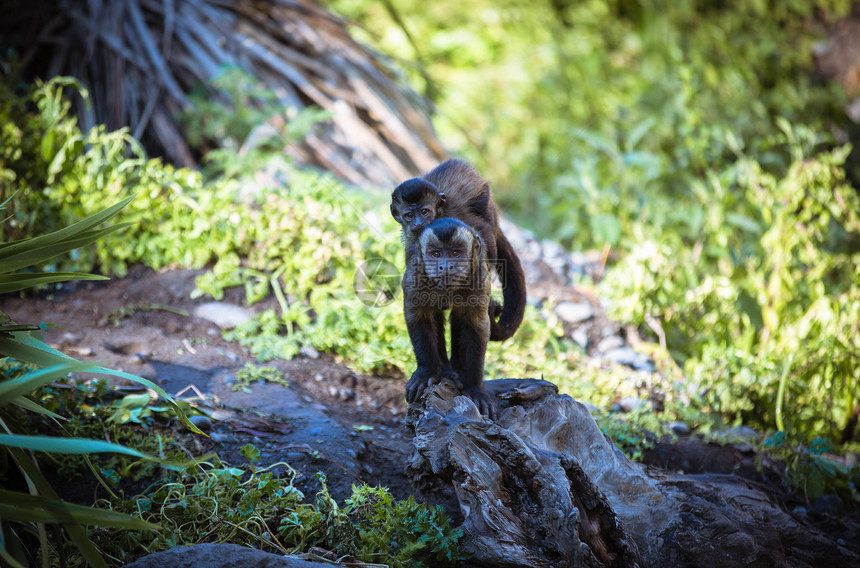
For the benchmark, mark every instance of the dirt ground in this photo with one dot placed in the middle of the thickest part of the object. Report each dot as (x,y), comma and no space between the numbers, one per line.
(328,419)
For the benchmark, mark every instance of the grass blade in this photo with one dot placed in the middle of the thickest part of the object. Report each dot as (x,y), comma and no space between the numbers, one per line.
(38,509)
(15,282)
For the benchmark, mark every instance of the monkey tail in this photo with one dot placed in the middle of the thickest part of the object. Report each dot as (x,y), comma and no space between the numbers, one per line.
(513,279)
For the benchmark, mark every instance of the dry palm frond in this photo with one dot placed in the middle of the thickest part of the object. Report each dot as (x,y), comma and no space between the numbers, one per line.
(141,58)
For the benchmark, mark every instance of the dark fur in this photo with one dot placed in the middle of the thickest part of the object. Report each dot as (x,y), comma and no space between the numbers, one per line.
(457,279)
(455,189)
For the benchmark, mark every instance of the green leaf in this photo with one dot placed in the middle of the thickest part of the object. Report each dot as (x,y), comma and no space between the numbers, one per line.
(32,254)
(66,445)
(30,381)
(85,446)
(15,282)
(28,404)
(24,347)
(39,509)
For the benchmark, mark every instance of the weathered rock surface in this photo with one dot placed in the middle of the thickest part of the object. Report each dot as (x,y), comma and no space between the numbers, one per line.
(544,487)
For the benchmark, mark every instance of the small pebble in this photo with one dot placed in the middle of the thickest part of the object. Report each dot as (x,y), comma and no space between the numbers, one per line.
(201,421)
(580,337)
(679,428)
(630,403)
(309,351)
(611,342)
(574,312)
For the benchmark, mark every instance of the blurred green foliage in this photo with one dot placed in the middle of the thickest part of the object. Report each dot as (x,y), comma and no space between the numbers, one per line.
(629,104)
(693,140)
(690,138)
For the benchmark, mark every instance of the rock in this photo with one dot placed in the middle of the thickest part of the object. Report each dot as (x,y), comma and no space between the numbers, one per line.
(222,314)
(630,357)
(679,428)
(609,342)
(574,312)
(630,403)
(828,504)
(738,434)
(70,338)
(309,351)
(220,556)
(201,421)
(580,337)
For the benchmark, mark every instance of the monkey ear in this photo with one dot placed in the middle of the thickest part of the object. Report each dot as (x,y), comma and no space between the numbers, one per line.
(441,199)
(394,212)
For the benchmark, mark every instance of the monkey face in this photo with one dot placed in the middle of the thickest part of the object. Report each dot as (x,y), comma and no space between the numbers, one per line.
(416,218)
(415,204)
(448,264)
(451,254)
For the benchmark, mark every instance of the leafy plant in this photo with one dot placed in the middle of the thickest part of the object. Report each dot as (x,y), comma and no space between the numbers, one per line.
(251,373)
(40,505)
(813,469)
(212,502)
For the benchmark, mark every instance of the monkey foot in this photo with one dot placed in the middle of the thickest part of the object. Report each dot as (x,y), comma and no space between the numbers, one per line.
(417,383)
(482,400)
(449,373)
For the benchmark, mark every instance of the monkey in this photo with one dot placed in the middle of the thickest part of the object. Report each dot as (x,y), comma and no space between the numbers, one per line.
(447,269)
(455,189)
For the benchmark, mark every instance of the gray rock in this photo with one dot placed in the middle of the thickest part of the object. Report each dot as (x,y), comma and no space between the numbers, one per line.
(220,556)
(309,351)
(574,312)
(679,428)
(827,504)
(610,342)
(630,357)
(70,338)
(580,336)
(630,403)
(738,434)
(201,421)
(222,314)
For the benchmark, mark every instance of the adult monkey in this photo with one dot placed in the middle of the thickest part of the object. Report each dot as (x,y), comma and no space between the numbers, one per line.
(447,269)
(456,189)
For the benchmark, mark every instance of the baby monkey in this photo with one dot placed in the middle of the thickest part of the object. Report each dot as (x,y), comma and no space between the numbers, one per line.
(447,269)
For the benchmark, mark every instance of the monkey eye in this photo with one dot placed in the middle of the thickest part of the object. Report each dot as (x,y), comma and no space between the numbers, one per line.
(409,214)
(436,253)
(455,253)
(425,212)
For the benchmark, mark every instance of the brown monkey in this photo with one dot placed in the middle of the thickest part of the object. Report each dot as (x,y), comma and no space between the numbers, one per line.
(455,189)
(447,269)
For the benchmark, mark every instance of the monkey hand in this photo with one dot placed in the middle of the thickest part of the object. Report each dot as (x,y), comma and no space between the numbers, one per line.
(495,309)
(419,381)
(482,400)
